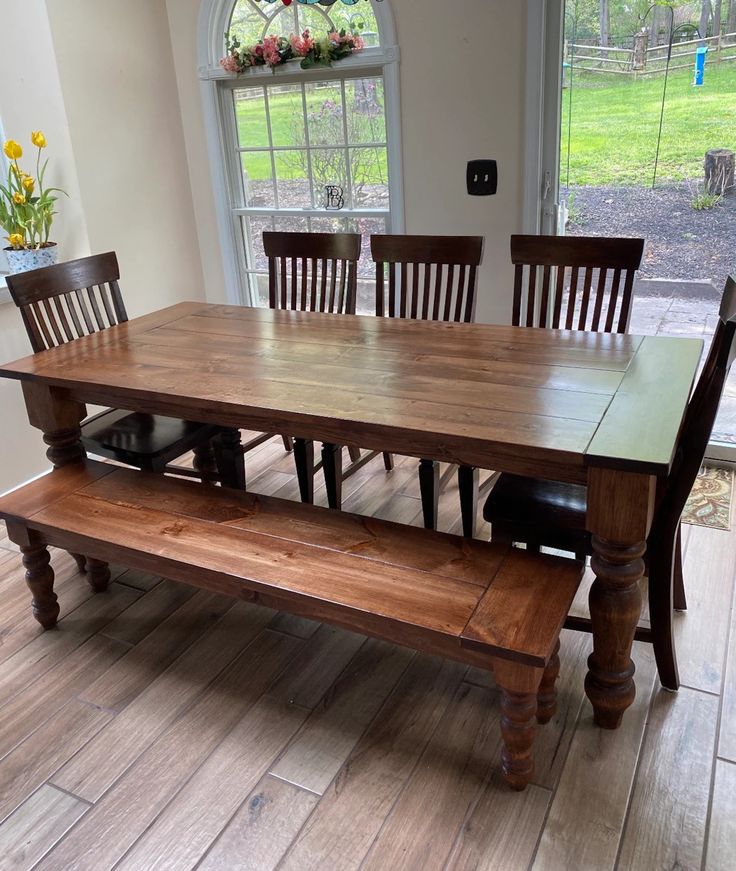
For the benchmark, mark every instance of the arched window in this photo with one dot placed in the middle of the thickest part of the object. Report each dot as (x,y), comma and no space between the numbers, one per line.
(285,136)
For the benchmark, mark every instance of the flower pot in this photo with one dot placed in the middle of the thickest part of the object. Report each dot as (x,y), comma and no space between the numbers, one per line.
(24,259)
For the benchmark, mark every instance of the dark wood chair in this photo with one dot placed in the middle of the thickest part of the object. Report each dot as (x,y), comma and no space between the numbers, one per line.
(313,272)
(545,513)
(431,278)
(574,282)
(65,302)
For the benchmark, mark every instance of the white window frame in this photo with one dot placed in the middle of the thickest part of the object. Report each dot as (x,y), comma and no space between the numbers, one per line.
(216,86)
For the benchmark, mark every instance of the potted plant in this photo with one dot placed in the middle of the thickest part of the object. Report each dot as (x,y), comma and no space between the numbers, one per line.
(27,210)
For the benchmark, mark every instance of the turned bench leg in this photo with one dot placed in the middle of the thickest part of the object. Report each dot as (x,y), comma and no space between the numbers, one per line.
(98,575)
(547,695)
(519,685)
(40,579)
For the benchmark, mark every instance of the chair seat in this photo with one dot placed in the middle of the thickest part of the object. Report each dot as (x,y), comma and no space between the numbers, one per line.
(142,439)
(549,512)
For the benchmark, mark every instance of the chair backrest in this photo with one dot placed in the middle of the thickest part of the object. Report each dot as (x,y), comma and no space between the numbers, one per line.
(600,305)
(700,416)
(429,277)
(313,271)
(70,300)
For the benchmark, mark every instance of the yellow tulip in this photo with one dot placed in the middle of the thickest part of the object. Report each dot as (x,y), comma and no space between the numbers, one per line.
(16,240)
(19,198)
(38,139)
(12,149)
(28,183)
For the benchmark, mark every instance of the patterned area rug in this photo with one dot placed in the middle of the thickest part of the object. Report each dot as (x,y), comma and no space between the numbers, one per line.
(709,503)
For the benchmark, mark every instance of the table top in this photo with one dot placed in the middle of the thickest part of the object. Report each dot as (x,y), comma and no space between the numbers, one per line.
(545,402)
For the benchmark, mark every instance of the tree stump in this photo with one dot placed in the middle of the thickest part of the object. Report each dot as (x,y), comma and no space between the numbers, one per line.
(719,171)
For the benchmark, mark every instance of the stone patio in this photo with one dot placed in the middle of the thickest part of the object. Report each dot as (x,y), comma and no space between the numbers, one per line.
(688,309)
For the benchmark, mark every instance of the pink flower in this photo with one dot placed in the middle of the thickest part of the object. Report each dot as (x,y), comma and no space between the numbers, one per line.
(230,64)
(301,45)
(258,50)
(358,42)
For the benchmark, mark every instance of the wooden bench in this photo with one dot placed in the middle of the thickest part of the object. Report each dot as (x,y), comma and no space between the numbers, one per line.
(483,604)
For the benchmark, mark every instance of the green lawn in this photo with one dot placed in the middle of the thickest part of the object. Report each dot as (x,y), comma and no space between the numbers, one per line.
(615,120)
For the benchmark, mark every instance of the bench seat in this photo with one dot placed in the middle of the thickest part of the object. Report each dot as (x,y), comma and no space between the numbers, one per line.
(481,603)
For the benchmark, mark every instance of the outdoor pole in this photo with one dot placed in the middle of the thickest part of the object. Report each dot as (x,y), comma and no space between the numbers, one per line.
(664,90)
(569,102)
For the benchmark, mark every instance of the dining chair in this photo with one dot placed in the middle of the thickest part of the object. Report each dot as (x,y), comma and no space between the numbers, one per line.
(552,514)
(574,282)
(555,299)
(80,297)
(315,272)
(431,278)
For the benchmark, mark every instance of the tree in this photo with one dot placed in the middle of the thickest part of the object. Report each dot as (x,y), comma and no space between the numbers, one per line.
(731,24)
(717,12)
(706,10)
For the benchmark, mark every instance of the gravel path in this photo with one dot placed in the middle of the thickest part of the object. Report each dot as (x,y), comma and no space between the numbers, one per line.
(681,242)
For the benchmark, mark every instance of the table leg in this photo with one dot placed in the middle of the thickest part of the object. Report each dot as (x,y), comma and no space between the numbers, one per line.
(58,418)
(620,507)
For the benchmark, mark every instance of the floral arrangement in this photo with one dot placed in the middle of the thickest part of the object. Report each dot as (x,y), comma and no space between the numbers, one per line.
(26,206)
(272,51)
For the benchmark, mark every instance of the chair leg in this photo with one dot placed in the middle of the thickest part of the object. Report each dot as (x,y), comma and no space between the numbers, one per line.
(304,462)
(98,575)
(40,580)
(678,581)
(429,488)
(81,562)
(288,443)
(230,459)
(660,618)
(332,469)
(547,695)
(205,460)
(353,453)
(467,480)
(388,462)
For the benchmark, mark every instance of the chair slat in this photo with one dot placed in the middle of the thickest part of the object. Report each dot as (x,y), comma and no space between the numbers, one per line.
(448,291)
(96,308)
(559,293)
(333,283)
(414,290)
(427,290)
(460,294)
(284,283)
(343,278)
(518,286)
(85,311)
(623,320)
(313,298)
(107,305)
(52,321)
(470,295)
(600,295)
(304,299)
(531,297)
(544,302)
(294,276)
(380,290)
(392,290)
(72,308)
(63,320)
(572,297)
(437,291)
(404,290)
(48,342)
(323,286)
(585,301)
(613,300)
(117,298)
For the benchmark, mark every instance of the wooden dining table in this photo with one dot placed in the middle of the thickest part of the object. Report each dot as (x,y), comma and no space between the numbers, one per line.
(599,409)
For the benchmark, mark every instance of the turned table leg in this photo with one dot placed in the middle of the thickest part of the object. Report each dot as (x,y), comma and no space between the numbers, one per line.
(620,507)
(98,575)
(205,460)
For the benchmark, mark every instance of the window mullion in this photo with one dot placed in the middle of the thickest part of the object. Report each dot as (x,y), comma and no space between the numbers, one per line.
(308,143)
(270,145)
(348,169)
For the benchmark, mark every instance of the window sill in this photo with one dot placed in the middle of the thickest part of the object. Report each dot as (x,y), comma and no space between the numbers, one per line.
(4,292)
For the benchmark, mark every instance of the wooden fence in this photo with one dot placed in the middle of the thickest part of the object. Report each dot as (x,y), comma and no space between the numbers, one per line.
(645,60)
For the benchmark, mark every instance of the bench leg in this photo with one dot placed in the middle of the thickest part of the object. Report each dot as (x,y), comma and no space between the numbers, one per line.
(519,685)
(98,575)
(429,488)
(40,580)
(467,481)
(332,469)
(547,695)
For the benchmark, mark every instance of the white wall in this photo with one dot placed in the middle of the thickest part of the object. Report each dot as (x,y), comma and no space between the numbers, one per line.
(97,76)
(31,99)
(462,81)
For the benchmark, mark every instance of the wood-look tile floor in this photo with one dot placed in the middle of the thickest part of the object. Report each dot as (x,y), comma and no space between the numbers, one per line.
(163,727)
